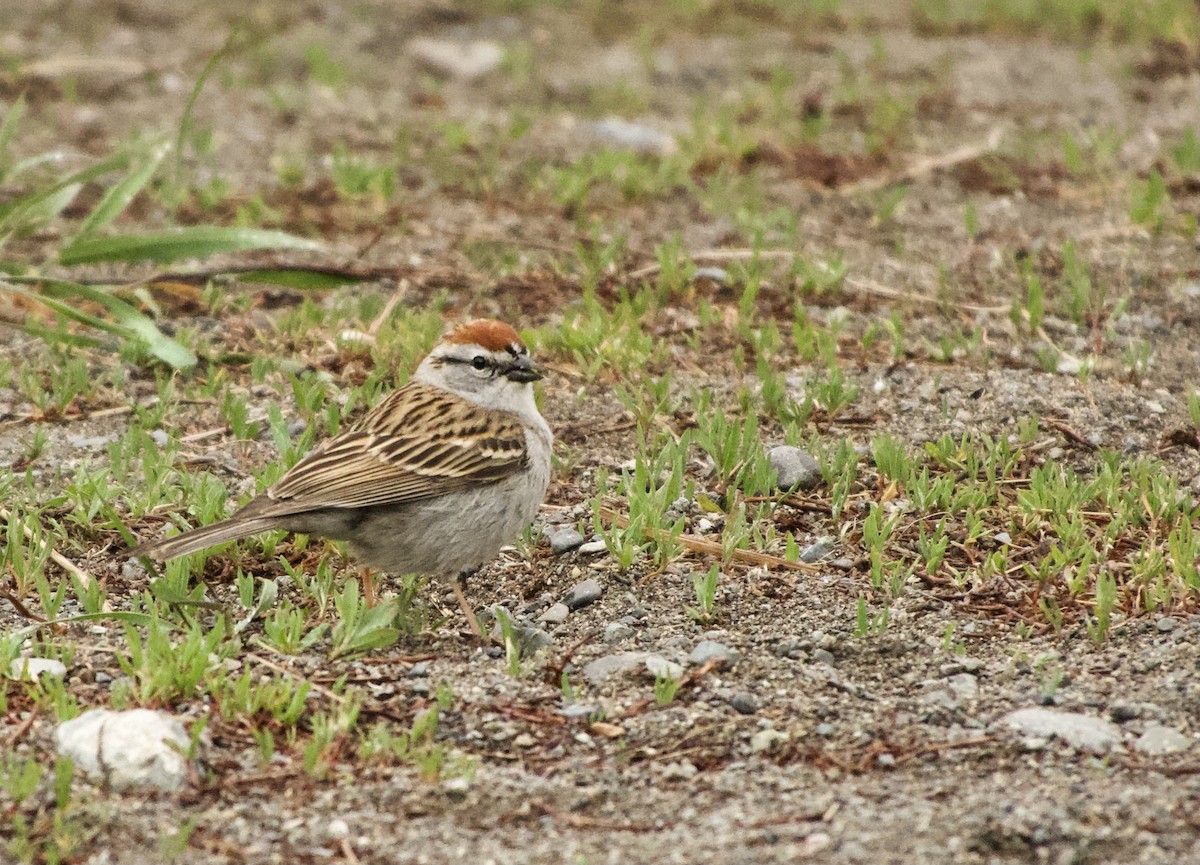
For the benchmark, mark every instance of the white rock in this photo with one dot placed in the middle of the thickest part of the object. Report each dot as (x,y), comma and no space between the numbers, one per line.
(600,669)
(637,137)
(794,467)
(556,614)
(463,60)
(35,668)
(136,748)
(765,740)
(1157,739)
(660,668)
(1083,732)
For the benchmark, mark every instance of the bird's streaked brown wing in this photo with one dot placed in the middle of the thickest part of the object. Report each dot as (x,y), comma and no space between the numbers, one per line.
(418,442)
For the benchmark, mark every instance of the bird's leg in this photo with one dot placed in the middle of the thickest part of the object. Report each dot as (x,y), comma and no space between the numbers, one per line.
(368,580)
(467,611)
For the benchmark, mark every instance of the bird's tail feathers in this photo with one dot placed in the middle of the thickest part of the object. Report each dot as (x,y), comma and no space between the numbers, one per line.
(204,537)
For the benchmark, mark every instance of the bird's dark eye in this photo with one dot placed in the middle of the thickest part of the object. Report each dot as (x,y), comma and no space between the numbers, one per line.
(479,362)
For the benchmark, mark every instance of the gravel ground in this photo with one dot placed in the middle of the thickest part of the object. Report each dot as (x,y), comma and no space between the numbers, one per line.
(791,737)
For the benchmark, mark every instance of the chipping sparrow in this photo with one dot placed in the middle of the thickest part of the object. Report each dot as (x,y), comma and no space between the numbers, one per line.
(433,480)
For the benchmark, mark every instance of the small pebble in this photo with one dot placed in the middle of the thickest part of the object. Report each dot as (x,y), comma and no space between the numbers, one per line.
(713,274)
(1122,712)
(463,60)
(765,740)
(1157,739)
(591,548)
(825,730)
(524,740)
(817,551)
(711,650)
(564,540)
(582,594)
(1166,624)
(614,632)
(744,703)
(419,669)
(555,615)
(338,828)
(795,468)
(823,656)
(660,668)
(639,138)
(35,668)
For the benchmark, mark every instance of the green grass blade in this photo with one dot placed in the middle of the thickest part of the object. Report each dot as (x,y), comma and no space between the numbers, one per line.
(118,196)
(173,244)
(24,213)
(8,129)
(64,309)
(127,321)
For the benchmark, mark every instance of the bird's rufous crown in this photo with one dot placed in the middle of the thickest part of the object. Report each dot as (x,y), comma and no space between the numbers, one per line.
(485,332)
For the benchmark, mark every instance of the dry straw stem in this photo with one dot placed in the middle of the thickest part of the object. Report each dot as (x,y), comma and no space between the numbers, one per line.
(711,548)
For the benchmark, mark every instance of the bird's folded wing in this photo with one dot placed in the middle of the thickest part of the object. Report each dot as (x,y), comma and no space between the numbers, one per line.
(419,442)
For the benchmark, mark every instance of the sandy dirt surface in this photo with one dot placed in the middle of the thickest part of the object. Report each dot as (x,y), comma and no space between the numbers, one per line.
(817,743)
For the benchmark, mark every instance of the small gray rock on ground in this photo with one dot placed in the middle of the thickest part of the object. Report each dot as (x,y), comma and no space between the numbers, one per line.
(818,550)
(582,594)
(711,650)
(135,748)
(795,468)
(1082,732)
(564,540)
(1158,739)
(600,669)
(744,703)
(465,61)
(35,668)
(556,614)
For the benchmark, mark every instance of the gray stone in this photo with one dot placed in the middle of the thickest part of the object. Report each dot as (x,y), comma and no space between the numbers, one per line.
(582,594)
(660,668)
(555,615)
(624,135)
(1157,739)
(88,442)
(1082,732)
(592,548)
(600,669)
(614,632)
(744,703)
(795,468)
(564,540)
(1122,712)
(711,650)
(765,740)
(1166,624)
(827,730)
(818,550)
(529,639)
(466,61)
(823,656)
(35,668)
(136,748)
(964,686)
(713,274)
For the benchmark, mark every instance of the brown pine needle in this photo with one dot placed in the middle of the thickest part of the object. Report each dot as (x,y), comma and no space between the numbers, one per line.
(711,548)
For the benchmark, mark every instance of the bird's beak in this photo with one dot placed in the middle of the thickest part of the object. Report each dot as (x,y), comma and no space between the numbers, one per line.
(522,370)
